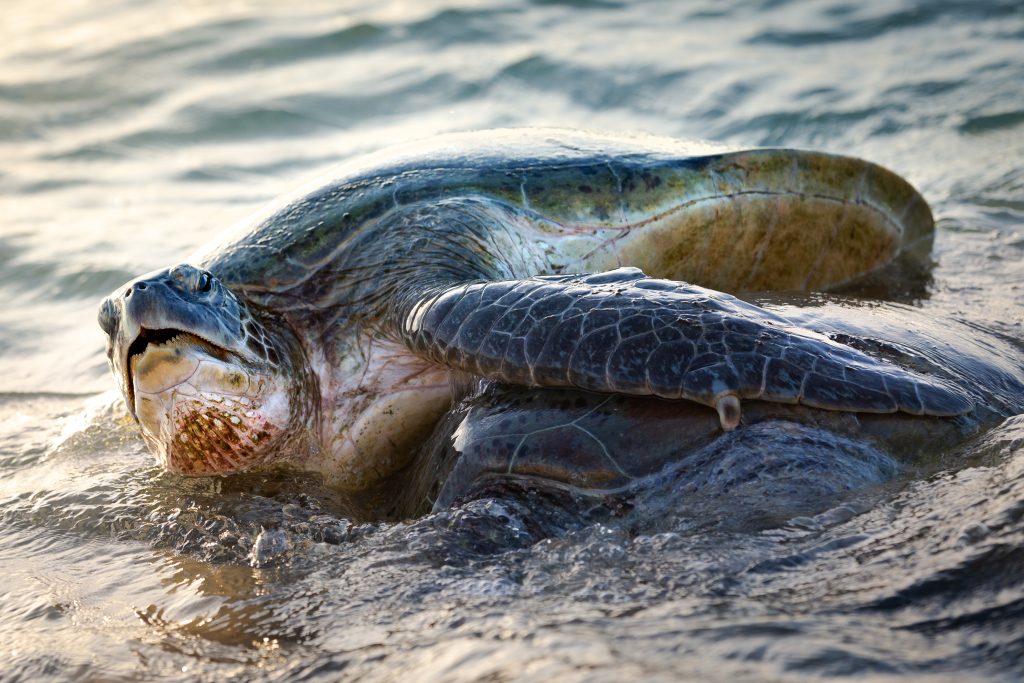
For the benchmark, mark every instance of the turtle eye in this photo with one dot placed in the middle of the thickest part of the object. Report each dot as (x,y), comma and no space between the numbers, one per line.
(204,282)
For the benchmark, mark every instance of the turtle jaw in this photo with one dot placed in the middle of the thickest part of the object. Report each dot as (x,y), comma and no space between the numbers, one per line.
(202,409)
(168,342)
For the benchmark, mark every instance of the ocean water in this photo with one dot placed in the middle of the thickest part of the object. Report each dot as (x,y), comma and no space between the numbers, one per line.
(130,132)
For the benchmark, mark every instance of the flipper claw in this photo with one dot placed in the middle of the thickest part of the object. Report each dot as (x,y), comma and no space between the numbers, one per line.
(728,408)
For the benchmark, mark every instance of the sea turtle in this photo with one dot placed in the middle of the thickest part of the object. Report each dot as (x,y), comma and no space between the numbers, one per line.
(329,329)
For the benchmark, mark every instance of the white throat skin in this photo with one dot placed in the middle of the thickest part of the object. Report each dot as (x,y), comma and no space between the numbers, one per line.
(377,405)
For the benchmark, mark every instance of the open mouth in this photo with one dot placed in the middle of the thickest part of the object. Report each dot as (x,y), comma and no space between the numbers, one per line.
(154,337)
(164,338)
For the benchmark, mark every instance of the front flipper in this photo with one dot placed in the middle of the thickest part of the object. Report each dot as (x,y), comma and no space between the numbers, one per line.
(622,332)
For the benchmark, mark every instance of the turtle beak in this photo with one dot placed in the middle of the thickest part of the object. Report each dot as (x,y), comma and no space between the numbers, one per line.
(121,330)
(109,317)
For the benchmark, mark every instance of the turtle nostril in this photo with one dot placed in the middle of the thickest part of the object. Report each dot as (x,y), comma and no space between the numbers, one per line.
(140,286)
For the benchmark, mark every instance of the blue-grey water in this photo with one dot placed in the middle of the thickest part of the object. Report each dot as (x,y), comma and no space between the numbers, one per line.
(130,132)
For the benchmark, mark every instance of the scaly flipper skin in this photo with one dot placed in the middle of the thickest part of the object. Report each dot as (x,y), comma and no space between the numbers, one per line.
(622,332)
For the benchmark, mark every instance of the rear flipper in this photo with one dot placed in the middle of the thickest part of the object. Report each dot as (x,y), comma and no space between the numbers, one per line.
(622,332)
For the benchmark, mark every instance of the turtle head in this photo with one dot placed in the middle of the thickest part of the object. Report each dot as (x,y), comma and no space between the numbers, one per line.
(213,391)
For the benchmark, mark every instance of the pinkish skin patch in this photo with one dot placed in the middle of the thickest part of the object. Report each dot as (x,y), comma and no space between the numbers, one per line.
(209,439)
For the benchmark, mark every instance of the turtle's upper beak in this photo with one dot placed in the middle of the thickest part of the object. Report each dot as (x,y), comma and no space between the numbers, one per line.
(109,316)
(119,321)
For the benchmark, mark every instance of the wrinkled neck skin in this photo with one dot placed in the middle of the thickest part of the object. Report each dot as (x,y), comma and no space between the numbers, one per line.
(378,403)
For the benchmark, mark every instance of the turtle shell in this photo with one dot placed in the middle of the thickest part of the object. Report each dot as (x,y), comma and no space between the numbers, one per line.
(692,211)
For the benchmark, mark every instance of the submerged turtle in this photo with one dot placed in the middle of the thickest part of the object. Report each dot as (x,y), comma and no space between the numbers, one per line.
(327,330)
(787,459)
